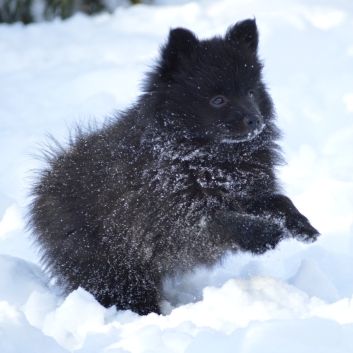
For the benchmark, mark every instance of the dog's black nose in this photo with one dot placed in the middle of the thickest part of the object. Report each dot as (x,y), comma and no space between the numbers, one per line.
(252,121)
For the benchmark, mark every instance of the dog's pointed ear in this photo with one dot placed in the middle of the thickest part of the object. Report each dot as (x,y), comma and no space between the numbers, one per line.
(181,45)
(244,33)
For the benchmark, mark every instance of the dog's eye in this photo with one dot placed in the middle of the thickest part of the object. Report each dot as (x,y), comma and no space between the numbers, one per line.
(218,101)
(251,95)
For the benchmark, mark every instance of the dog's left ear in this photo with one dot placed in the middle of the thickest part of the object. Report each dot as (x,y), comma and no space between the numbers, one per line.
(180,47)
(244,33)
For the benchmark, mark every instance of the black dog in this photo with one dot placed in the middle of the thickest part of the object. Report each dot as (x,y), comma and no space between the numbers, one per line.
(183,176)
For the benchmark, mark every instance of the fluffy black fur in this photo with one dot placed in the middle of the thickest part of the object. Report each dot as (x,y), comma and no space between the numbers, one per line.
(176,181)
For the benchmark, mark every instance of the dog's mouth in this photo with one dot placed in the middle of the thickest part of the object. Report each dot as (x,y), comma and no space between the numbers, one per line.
(244,138)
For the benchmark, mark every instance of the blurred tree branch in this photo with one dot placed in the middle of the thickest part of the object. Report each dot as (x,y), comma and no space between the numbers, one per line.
(23,10)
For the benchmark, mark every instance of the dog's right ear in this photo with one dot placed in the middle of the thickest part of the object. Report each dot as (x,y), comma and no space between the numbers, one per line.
(244,33)
(180,47)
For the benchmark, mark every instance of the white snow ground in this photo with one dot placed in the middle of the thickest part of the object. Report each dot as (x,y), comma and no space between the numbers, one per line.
(298,298)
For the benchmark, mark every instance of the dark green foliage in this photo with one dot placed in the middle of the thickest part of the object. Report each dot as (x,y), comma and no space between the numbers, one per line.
(90,6)
(22,10)
(66,8)
(16,10)
(62,8)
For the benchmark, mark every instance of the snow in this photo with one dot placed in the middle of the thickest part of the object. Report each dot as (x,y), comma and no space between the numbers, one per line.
(298,297)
